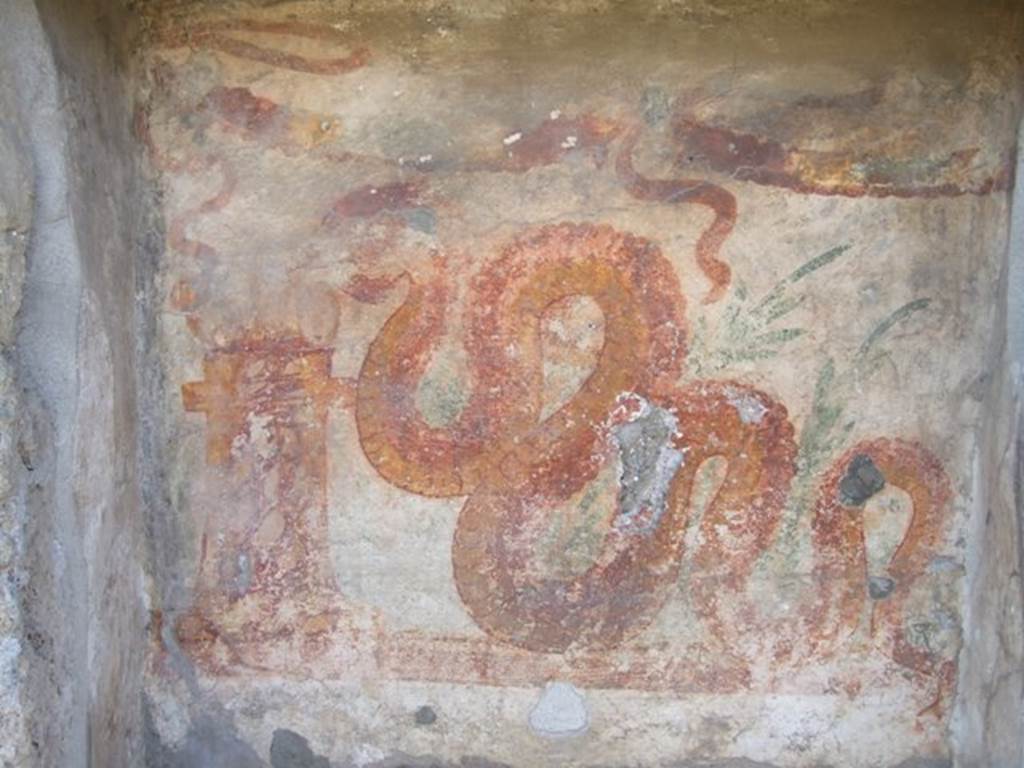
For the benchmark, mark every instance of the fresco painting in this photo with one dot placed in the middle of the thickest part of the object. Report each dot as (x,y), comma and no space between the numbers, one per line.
(583,389)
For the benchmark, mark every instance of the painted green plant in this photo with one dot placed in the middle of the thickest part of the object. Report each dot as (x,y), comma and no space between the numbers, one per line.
(753,330)
(828,425)
(824,431)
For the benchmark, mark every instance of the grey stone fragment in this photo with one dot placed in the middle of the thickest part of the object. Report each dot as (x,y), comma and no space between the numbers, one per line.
(880,587)
(861,481)
(425,716)
(291,750)
(561,712)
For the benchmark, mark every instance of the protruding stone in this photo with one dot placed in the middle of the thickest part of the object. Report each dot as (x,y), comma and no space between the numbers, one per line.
(290,750)
(880,587)
(561,712)
(861,481)
(425,715)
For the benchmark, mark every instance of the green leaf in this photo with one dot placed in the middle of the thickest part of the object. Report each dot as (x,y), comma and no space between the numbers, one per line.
(734,327)
(746,354)
(814,438)
(778,337)
(817,263)
(784,307)
(799,274)
(888,323)
(824,383)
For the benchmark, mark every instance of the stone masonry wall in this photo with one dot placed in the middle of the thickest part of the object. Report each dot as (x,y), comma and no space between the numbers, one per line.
(73,632)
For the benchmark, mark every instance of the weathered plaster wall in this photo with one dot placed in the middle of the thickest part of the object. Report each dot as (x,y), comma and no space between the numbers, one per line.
(583,384)
(74,640)
(16,215)
(520,384)
(988,727)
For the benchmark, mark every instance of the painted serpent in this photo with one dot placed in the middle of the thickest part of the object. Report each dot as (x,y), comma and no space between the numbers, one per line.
(515,468)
